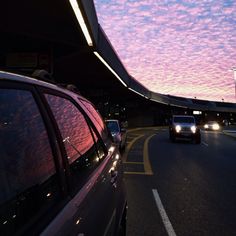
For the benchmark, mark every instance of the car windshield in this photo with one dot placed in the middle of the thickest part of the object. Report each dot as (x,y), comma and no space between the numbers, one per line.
(113,126)
(183,120)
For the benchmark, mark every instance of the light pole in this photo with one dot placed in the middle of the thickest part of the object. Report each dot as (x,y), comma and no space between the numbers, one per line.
(234,71)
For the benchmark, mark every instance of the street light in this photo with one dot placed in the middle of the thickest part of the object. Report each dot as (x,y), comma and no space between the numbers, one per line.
(234,71)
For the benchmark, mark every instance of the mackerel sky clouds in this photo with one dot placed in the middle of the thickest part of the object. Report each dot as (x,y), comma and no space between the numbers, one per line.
(178,47)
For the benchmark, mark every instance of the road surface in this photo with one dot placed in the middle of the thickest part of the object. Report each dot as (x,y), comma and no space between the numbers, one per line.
(180,188)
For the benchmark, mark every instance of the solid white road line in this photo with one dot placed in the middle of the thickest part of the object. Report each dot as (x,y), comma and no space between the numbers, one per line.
(165,219)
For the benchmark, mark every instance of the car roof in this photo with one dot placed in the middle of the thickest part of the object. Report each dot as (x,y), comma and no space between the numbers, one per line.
(8,76)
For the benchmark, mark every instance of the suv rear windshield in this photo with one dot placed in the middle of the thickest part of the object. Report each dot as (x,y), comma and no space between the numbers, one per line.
(183,119)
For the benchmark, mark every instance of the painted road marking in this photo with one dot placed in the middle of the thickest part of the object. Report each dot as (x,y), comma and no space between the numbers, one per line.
(146,162)
(133,162)
(134,173)
(164,216)
(129,147)
(147,165)
(206,144)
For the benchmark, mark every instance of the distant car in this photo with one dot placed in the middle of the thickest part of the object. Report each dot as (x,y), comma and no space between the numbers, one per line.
(182,126)
(119,134)
(212,125)
(61,174)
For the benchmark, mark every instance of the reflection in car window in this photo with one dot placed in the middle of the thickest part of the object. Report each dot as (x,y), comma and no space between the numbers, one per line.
(82,152)
(96,118)
(73,126)
(27,171)
(113,126)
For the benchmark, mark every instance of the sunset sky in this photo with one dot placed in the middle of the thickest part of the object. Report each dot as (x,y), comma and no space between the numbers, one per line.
(178,47)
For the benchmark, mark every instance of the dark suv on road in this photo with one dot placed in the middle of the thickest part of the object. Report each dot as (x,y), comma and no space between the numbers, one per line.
(184,127)
(60,174)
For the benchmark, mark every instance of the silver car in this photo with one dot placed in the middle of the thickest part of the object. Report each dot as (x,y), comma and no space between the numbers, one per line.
(61,174)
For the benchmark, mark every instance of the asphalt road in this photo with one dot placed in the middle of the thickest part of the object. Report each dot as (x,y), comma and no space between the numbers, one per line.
(181,188)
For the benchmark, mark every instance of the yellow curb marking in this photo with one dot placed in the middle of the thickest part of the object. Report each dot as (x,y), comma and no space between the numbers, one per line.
(130,145)
(133,162)
(136,173)
(146,162)
(147,165)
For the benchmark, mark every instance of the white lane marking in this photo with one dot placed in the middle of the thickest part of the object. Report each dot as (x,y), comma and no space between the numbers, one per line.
(165,219)
(206,144)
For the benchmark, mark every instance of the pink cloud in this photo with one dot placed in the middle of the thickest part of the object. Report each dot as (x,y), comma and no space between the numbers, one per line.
(179,49)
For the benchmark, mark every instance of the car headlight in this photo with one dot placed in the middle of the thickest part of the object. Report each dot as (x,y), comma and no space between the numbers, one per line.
(193,128)
(206,126)
(177,128)
(215,127)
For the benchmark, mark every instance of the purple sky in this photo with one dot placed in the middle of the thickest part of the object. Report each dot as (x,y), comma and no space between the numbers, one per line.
(184,48)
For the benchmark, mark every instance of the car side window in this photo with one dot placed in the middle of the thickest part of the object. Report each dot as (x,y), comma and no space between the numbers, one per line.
(96,118)
(82,147)
(28,181)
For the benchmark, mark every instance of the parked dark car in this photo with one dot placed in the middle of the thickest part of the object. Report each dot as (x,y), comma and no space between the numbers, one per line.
(182,126)
(60,172)
(118,133)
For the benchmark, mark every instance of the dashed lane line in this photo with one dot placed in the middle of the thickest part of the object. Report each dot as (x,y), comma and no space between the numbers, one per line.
(164,216)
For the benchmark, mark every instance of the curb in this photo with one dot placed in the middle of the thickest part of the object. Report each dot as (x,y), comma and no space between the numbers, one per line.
(229,134)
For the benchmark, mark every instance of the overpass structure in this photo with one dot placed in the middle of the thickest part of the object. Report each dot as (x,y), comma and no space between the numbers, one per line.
(65,38)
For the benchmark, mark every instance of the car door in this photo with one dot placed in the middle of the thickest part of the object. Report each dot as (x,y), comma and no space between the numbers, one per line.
(31,193)
(88,168)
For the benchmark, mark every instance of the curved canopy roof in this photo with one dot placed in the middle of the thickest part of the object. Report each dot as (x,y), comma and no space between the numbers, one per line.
(53,27)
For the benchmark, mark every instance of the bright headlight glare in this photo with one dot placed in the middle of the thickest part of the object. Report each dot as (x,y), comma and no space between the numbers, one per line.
(206,126)
(177,128)
(215,126)
(193,128)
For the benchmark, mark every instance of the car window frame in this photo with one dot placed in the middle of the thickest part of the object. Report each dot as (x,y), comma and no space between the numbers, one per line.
(44,90)
(35,225)
(81,102)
